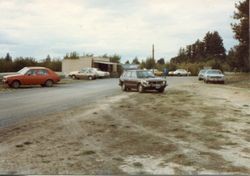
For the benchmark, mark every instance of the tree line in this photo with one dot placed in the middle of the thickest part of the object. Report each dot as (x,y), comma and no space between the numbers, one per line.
(211,47)
(211,52)
(7,64)
(208,52)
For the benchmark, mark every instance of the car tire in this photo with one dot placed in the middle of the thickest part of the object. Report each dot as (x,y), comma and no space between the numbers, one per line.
(15,84)
(124,87)
(73,76)
(48,83)
(140,88)
(161,90)
(90,77)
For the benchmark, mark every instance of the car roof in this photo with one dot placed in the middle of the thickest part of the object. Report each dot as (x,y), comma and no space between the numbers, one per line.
(37,67)
(136,70)
(213,70)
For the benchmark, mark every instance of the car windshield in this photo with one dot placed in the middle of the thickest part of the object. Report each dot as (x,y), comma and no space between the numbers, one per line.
(214,72)
(181,70)
(203,71)
(145,74)
(23,71)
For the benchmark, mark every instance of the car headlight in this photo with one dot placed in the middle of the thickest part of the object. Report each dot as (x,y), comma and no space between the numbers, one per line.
(144,82)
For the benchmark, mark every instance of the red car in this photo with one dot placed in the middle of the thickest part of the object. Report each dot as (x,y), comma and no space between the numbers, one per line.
(32,76)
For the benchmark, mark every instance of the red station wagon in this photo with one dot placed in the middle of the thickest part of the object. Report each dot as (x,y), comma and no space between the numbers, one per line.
(32,76)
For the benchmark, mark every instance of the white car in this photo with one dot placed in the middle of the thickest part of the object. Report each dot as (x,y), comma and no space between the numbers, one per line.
(201,74)
(100,74)
(214,75)
(181,72)
(84,73)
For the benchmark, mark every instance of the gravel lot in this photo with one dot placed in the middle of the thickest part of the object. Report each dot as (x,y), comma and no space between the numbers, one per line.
(192,128)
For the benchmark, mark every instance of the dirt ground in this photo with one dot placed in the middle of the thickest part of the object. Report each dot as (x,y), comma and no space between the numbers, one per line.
(189,129)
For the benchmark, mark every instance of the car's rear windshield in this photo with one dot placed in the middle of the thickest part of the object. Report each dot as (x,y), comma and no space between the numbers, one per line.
(145,74)
(214,72)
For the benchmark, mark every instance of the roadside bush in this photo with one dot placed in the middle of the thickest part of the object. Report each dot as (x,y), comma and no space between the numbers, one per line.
(194,68)
(171,66)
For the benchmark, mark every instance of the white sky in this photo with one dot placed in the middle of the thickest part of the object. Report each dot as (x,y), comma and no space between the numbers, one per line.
(127,27)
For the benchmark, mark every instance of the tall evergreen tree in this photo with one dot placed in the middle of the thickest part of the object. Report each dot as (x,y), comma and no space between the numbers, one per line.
(241,30)
(214,45)
(48,58)
(150,63)
(200,50)
(161,61)
(127,62)
(115,58)
(8,58)
(135,61)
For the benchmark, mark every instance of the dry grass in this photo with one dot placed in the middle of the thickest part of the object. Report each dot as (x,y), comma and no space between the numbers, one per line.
(238,80)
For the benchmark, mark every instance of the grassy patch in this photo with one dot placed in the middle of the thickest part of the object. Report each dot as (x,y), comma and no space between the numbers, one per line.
(88,152)
(238,80)
(138,164)
(69,81)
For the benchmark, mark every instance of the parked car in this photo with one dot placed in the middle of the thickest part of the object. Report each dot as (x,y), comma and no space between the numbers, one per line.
(181,72)
(100,74)
(84,73)
(32,76)
(214,75)
(171,73)
(157,72)
(201,74)
(141,80)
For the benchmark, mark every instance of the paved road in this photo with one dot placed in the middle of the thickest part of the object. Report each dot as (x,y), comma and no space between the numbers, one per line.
(36,102)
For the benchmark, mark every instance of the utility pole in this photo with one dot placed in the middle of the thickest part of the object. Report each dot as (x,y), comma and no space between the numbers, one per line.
(153,51)
(153,54)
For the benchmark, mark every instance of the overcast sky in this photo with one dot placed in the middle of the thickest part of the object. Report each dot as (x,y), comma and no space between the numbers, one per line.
(127,27)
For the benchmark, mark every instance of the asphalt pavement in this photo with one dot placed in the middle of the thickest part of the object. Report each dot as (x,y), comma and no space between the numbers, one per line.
(37,102)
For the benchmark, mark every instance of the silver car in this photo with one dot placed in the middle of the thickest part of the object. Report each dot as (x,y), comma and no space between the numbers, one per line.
(214,75)
(201,74)
(181,72)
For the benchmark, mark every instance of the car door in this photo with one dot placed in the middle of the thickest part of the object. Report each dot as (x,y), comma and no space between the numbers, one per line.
(42,76)
(126,78)
(30,78)
(82,74)
(133,80)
